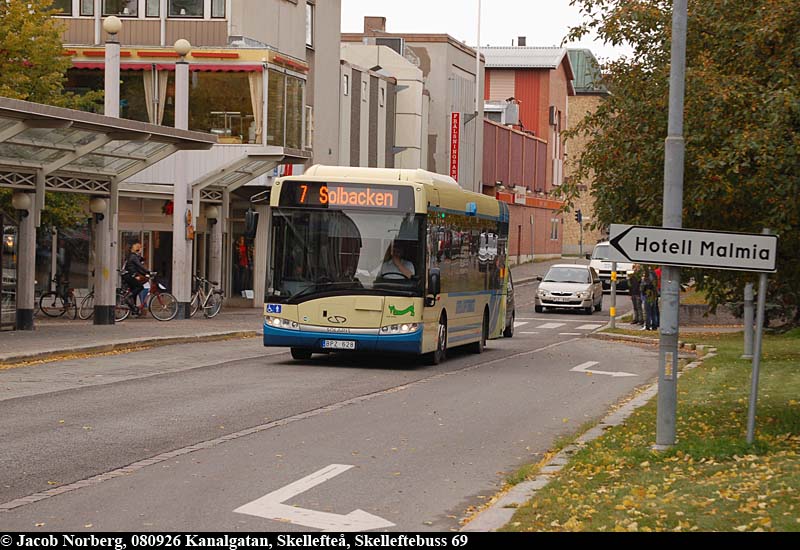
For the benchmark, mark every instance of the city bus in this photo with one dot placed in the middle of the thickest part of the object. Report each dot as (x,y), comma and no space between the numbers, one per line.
(384,260)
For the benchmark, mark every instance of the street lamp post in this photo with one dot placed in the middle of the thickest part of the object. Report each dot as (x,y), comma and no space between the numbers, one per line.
(182,213)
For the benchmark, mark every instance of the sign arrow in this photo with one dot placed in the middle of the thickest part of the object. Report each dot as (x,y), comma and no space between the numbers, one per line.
(271,507)
(584,367)
(693,248)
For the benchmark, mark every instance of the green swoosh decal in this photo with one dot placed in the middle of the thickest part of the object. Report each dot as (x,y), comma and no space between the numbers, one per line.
(398,312)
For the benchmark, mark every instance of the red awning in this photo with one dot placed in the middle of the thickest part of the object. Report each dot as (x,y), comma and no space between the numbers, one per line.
(101,66)
(202,67)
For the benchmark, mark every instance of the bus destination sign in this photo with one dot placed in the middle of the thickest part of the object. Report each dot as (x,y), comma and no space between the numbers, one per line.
(344,195)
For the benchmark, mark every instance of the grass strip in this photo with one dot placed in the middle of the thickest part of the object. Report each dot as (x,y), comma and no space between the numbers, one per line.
(711,480)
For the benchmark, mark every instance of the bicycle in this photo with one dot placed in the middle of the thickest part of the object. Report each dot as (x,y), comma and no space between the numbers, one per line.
(210,301)
(161,304)
(57,302)
(86,309)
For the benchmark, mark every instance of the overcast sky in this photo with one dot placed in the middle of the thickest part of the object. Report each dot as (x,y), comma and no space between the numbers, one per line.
(543,22)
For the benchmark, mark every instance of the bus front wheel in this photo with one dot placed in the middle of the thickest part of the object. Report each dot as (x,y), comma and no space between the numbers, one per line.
(480,345)
(301,354)
(441,343)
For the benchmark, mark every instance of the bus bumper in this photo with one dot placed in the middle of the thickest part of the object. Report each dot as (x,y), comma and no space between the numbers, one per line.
(399,343)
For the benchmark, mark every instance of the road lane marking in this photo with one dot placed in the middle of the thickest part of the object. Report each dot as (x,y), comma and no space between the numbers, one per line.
(529,333)
(271,507)
(211,443)
(551,325)
(569,334)
(588,327)
(518,324)
(586,368)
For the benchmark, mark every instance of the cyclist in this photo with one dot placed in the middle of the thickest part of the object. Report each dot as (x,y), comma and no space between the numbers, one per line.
(135,276)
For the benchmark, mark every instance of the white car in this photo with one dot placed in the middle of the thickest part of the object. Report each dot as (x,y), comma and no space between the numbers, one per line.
(600,263)
(570,286)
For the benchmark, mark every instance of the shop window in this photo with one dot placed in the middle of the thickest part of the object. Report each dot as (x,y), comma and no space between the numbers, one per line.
(222,104)
(132,103)
(294,112)
(63,6)
(124,8)
(152,8)
(186,8)
(554,223)
(276,108)
(218,9)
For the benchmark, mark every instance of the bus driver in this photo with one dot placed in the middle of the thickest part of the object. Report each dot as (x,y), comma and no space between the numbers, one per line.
(394,266)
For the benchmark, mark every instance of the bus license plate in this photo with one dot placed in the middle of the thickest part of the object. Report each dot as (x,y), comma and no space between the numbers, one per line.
(338,344)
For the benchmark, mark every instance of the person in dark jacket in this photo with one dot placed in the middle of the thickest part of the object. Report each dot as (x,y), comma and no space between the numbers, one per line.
(136,274)
(635,288)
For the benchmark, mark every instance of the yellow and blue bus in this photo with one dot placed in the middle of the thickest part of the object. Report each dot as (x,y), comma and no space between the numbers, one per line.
(384,260)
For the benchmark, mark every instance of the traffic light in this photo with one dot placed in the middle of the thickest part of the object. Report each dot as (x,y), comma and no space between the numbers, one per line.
(578,216)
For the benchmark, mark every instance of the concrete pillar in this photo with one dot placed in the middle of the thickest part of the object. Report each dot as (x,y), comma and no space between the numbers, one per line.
(26,269)
(181,246)
(105,273)
(215,251)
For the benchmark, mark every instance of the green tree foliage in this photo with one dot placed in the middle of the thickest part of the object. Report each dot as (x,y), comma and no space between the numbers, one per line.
(742,126)
(33,68)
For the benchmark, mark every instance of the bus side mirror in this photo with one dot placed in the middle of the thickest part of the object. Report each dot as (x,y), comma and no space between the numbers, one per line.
(434,285)
(250,224)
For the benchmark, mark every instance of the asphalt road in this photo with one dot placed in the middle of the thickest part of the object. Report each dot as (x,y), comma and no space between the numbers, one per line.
(221,425)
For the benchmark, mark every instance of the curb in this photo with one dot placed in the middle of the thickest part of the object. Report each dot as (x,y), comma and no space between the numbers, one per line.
(502,511)
(123,345)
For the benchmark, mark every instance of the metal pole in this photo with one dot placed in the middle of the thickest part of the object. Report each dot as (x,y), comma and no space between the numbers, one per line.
(612,311)
(748,321)
(181,246)
(672,217)
(762,301)
(478,94)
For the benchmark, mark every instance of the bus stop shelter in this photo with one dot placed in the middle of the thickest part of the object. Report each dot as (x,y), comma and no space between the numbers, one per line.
(45,148)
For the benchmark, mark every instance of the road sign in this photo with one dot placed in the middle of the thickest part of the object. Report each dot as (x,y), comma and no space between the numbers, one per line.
(692,248)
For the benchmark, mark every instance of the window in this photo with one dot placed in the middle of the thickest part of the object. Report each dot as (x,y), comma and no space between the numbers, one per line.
(346,84)
(186,8)
(309,143)
(124,8)
(383,97)
(364,91)
(220,103)
(152,8)
(294,112)
(218,9)
(63,6)
(276,108)
(87,7)
(554,223)
(310,25)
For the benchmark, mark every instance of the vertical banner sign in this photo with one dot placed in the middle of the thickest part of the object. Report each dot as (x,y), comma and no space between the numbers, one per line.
(455,133)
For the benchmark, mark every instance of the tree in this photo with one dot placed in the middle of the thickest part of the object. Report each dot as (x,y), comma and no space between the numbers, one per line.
(33,68)
(742,126)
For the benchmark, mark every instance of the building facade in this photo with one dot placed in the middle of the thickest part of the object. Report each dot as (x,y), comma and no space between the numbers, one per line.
(449,71)
(261,75)
(589,94)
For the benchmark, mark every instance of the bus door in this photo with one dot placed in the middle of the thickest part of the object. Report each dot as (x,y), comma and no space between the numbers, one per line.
(436,247)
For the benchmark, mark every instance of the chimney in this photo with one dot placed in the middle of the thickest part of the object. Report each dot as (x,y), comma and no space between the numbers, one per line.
(522,41)
(373,24)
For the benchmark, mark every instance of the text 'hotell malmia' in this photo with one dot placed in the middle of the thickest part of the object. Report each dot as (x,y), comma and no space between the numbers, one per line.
(707,248)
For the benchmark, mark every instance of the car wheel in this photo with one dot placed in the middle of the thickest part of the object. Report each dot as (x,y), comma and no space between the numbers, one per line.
(538,309)
(599,306)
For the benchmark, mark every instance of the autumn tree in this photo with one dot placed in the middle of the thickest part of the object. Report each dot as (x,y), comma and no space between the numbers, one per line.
(742,127)
(33,68)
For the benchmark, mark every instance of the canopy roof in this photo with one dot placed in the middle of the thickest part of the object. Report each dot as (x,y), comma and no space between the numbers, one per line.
(78,151)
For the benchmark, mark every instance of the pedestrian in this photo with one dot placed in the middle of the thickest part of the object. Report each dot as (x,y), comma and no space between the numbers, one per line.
(635,288)
(650,299)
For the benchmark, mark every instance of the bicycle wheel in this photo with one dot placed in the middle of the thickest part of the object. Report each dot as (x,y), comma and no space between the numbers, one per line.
(52,305)
(163,306)
(86,311)
(121,308)
(194,305)
(213,305)
(71,306)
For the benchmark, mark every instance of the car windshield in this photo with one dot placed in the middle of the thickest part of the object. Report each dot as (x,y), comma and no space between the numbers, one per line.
(600,252)
(567,275)
(345,252)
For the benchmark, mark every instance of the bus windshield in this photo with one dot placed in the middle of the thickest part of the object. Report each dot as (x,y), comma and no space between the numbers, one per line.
(330,252)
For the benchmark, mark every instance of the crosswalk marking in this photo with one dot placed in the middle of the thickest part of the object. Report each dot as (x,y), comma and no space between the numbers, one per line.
(529,333)
(588,327)
(551,325)
(518,324)
(569,333)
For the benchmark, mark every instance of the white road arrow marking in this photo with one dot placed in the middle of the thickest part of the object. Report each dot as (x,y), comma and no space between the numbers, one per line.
(518,324)
(271,507)
(585,367)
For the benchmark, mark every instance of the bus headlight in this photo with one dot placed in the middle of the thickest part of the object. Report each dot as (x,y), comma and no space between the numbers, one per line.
(277,322)
(405,328)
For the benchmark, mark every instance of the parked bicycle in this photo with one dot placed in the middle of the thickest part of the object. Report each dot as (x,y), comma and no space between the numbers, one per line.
(86,309)
(161,304)
(60,301)
(206,296)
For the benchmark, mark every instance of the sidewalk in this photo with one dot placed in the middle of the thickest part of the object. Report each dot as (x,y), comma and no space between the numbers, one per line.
(57,337)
